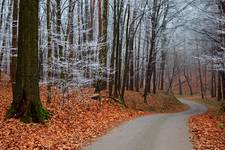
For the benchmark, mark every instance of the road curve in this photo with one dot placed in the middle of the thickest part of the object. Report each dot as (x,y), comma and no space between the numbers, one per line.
(155,132)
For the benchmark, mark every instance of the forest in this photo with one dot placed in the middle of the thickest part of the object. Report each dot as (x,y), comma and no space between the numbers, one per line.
(72,71)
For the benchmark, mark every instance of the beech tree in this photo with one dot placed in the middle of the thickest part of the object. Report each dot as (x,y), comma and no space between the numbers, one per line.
(14,43)
(103,29)
(26,103)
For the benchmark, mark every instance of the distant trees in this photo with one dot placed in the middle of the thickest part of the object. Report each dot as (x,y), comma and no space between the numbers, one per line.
(209,49)
(5,30)
(221,71)
(119,45)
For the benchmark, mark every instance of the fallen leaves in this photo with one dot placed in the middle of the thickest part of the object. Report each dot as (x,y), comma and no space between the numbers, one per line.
(207,133)
(73,125)
(159,102)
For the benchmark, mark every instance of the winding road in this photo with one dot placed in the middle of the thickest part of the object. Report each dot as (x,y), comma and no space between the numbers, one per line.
(155,132)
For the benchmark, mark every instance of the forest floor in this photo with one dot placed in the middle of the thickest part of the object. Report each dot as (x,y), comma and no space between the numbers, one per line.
(208,130)
(76,122)
(71,126)
(161,102)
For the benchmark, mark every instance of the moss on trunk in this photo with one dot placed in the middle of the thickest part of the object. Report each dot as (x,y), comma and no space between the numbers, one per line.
(222,109)
(33,112)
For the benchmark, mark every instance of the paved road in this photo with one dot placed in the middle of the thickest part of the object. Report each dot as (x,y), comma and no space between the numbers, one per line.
(156,132)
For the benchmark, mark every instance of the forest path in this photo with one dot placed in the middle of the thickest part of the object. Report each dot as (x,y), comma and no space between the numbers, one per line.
(155,132)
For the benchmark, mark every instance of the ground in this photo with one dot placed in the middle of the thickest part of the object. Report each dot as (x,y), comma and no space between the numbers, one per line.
(74,124)
(208,130)
(161,102)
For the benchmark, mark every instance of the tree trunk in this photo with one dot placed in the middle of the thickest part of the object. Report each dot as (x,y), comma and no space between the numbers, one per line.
(112,68)
(200,72)
(58,28)
(188,82)
(219,92)
(70,25)
(1,21)
(180,84)
(1,13)
(14,43)
(50,71)
(213,81)
(1,57)
(101,83)
(162,70)
(131,49)
(200,79)
(117,50)
(5,32)
(26,103)
(154,77)
(137,80)
(91,25)
(223,84)
(126,62)
(152,52)
(100,18)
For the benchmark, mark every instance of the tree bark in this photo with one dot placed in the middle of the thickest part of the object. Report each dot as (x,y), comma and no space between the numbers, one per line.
(219,92)
(188,82)
(14,44)
(223,84)
(58,28)
(101,83)
(131,49)
(6,32)
(137,80)
(26,103)
(1,29)
(127,53)
(50,71)
(200,79)
(180,83)
(152,52)
(112,61)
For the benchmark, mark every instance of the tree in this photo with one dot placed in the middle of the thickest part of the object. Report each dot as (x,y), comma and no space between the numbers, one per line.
(48,16)
(112,61)
(1,22)
(14,43)
(152,51)
(58,28)
(5,30)
(188,80)
(26,103)
(103,28)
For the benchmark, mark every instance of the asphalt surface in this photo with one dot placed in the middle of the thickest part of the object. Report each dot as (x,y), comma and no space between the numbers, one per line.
(154,132)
